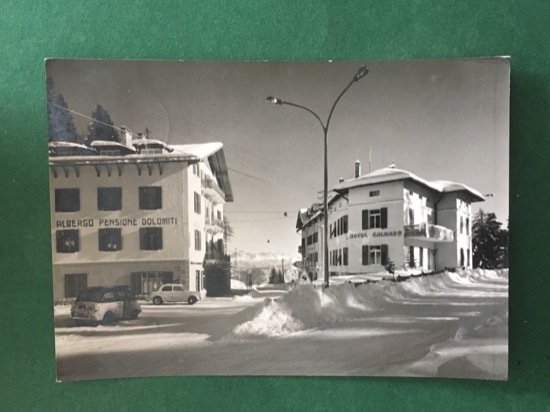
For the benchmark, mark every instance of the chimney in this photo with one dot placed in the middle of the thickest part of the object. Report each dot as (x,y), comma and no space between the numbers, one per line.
(126,136)
(357,168)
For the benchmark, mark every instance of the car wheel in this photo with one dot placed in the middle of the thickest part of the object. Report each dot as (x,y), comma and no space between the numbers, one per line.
(192,300)
(157,300)
(134,315)
(108,319)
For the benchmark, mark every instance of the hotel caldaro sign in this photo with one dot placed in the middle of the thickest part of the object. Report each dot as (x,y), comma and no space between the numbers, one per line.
(376,234)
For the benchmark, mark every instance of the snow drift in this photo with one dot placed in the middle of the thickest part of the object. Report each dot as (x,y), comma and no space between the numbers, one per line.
(307,307)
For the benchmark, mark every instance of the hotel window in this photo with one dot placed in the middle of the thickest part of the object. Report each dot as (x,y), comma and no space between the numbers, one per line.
(75,283)
(345,256)
(376,254)
(411,216)
(196,169)
(150,238)
(110,240)
(467,225)
(315,237)
(345,224)
(197,240)
(375,218)
(461,224)
(109,198)
(198,280)
(150,197)
(219,215)
(67,241)
(374,193)
(309,240)
(67,200)
(197,203)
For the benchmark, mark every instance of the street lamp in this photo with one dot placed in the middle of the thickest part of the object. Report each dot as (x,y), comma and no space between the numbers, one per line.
(361,72)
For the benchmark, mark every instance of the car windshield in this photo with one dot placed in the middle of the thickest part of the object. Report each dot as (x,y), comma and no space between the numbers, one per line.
(90,295)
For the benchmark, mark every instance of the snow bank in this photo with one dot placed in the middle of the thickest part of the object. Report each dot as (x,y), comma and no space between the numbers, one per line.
(308,307)
(238,285)
(478,350)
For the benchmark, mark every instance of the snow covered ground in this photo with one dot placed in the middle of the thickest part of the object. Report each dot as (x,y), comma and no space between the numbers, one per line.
(447,325)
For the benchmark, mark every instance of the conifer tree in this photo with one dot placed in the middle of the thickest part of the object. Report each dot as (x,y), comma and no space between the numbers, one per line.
(489,242)
(60,121)
(101,127)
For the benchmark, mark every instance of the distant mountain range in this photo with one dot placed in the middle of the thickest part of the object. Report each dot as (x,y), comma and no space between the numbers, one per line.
(243,259)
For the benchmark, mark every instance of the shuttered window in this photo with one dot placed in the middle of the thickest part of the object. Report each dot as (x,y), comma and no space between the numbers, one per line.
(374,218)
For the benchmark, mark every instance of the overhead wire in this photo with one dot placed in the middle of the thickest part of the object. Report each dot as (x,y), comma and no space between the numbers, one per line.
(251,176)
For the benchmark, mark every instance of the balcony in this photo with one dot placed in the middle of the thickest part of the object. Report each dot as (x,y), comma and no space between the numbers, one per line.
(429,232)
(213,226)
(211,190)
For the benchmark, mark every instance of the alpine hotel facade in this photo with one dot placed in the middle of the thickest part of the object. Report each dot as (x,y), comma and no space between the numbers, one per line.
(139,213)
(390,215)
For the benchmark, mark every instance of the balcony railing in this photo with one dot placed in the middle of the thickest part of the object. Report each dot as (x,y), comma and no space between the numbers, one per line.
(213,225)
(429,232)
(211,189)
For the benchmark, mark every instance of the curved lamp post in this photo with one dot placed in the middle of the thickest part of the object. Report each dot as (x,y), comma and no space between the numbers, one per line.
(361,72)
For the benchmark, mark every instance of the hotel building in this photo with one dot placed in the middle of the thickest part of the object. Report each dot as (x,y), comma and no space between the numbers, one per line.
(390,215)
(139,213)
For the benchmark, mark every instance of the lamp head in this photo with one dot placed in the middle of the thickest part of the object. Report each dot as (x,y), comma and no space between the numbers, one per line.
(273,100)
(361,72)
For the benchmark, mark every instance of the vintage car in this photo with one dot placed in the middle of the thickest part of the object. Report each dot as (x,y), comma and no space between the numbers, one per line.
(105,305)
(173,292)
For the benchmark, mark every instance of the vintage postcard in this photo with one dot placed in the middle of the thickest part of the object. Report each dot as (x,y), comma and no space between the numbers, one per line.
(279,218)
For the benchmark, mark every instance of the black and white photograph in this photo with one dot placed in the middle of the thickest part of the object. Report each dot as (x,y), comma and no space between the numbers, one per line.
(319,218)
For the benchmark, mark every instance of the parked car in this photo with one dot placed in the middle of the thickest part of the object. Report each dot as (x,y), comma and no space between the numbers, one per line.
(105,305)
(173,292)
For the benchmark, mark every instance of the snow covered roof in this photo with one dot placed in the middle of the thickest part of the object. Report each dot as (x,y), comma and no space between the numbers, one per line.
(151,142)
(308,215)
(60,148)
(211,152)
(104,144)
(199,150)
(390,174)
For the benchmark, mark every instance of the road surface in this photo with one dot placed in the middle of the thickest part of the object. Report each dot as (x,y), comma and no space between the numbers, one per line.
(450,334)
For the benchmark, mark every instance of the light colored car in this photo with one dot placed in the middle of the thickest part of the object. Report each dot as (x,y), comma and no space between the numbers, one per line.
(173,292)
(104,305)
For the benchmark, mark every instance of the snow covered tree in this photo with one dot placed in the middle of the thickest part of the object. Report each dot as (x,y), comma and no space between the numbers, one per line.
(101,127)
(489,242)
(60,120)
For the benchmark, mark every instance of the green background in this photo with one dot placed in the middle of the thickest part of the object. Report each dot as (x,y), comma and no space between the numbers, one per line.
(31,31)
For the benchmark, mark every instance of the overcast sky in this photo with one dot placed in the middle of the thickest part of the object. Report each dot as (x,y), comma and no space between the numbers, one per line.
(442,120)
